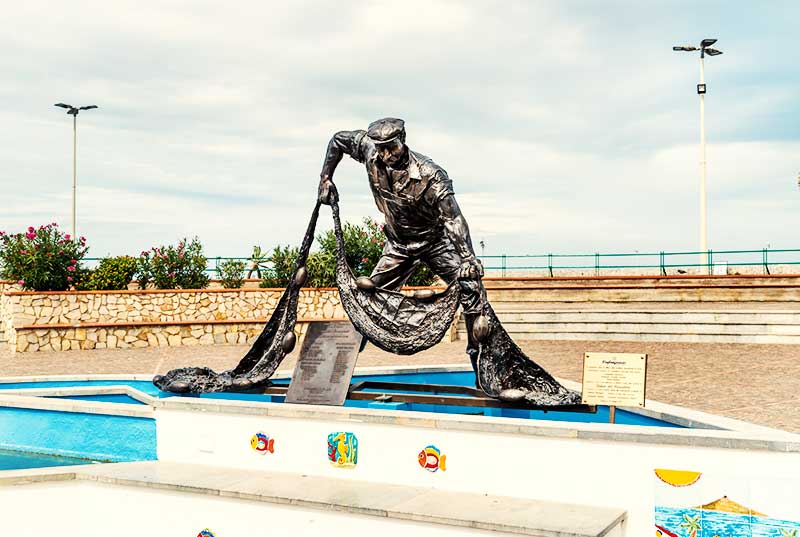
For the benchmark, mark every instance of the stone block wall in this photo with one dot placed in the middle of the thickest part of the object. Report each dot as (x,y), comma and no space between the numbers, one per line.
(57,321)
(132,336)
(81,307)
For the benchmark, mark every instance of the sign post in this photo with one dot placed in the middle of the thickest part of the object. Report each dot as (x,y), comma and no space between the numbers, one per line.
(614,379)
(326,363)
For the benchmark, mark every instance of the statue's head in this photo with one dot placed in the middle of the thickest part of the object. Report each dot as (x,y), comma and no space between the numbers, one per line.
(389,136)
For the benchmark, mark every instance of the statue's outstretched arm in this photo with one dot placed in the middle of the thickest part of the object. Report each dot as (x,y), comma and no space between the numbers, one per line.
(344,142)
(457,230)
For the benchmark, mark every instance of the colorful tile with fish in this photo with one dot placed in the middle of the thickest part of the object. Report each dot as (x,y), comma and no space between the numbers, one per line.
(432,459)
(205,533)
(682,508)
(262,443)
(343,449)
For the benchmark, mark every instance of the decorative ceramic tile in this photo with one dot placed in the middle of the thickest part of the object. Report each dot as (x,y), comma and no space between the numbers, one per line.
(262,443)
(343,449)
(694,504)
(432,459)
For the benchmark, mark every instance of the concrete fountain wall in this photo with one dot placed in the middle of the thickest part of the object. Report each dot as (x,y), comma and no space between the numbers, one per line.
(600,465)
(509,469)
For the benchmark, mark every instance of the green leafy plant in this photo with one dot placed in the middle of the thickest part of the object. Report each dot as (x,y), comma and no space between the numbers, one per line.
(43,259)
(280,272)
(258,262)
(112,274)
(363,247)
(173,267)
(231,273)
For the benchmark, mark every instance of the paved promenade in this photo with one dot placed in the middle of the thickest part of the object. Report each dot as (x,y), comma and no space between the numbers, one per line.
(754,383)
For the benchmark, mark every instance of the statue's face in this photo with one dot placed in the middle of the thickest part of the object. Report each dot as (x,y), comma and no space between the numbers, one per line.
(392,152)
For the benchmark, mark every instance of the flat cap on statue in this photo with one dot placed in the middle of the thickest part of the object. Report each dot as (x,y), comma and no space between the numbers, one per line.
(385,130)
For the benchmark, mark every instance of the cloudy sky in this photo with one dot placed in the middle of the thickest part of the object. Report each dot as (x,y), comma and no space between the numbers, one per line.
(567,126)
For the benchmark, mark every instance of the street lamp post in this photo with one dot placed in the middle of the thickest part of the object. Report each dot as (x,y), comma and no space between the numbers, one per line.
(73,111)
(704,48)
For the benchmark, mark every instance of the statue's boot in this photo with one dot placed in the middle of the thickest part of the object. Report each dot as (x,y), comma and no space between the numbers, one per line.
(504,372)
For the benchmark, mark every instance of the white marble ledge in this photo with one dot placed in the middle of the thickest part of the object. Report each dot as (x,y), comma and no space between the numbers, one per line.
(777,441)
(84,407)
(486,512)
(279,374)
(71,391)
(75,378)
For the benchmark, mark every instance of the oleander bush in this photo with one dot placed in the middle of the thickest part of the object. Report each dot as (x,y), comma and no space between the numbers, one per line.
(282,261)
(173,267)
(112,274)
(363,245)
(42,259)
(231,273)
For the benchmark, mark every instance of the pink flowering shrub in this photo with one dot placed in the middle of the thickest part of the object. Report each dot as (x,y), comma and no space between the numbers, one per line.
(42,259)
(173,267)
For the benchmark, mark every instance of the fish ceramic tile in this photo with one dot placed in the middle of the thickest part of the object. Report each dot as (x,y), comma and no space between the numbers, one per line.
(205,533)
(343,449)
(432,459)
(262,443)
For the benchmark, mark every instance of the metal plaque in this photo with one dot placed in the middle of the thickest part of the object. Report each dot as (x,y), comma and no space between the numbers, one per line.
(614,379)
(325,366)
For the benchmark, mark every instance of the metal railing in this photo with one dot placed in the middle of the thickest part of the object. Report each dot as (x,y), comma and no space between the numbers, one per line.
(663,262)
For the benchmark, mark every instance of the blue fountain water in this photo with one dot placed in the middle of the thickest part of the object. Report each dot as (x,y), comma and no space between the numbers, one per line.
(452,378)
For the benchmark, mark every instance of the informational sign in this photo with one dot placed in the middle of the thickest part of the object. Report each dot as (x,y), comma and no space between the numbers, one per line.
(327,359)
(615,379)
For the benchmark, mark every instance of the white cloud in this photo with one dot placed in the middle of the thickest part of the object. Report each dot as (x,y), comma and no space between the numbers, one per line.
(566,127)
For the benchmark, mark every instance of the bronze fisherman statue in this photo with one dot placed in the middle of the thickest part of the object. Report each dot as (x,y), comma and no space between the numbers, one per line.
(423,220)
(423,224)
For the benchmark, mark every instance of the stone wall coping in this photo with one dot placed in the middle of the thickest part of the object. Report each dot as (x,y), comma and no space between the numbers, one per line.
(75,378)
(663,288)
(651,311)
(568,278)
(279,374)
(165,291)
(504,514)
(142,324)
(684,417)
(489,288)
(779,442)
(76,391)
(641,277)
(78,406)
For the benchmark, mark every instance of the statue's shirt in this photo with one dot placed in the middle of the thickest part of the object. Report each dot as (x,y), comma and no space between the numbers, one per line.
(409,199)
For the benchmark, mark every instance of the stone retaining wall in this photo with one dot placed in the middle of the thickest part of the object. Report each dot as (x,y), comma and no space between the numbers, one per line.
(121,319)
(169,306)
(32,321)
(132,336)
